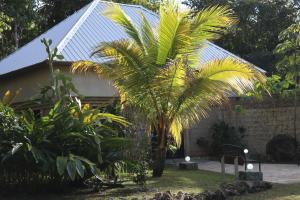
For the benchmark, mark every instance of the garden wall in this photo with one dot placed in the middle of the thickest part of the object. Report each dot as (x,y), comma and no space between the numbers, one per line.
(261,119)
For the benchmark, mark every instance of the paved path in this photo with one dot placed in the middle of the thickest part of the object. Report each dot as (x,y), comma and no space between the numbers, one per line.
(276,173)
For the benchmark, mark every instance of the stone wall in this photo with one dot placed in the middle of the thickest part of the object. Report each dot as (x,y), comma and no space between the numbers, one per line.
(261,119)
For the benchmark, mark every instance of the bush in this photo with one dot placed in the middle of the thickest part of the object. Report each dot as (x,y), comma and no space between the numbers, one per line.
(222,133)
(70,143)
(282,148)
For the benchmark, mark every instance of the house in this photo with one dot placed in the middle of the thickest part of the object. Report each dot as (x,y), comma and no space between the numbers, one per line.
(75,38)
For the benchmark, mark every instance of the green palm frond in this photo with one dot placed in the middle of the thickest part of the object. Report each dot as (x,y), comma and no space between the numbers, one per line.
(168,25)
(116,14)
(238,75)
(149,37)
(211,23)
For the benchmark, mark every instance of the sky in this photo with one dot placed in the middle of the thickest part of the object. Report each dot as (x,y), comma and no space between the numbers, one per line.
(181,6)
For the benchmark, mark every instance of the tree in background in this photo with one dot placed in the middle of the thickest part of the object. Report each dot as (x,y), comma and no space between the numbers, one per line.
(4,23)
(157,70)
(23,24)
(289,63)
(256,34)
(54,11)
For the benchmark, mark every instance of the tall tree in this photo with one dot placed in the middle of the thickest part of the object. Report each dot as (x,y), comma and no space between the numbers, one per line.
(54,11)
(289,64)
(23,25)
(4,23)
(256,34)
(157,70)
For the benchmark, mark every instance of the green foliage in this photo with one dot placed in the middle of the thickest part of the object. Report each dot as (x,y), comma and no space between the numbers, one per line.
(289,51)
(69,143)
(23,21)
(223,133)
(4,23)
(289,64)
(255,36)
(274,85)
(282,148)
(61,86)
(140,173)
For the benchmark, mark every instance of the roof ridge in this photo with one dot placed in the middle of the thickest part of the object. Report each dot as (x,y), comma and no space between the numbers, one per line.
(131,5)
(75,28)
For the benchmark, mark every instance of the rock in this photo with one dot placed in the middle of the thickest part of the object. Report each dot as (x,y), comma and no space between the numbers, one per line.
(250,176)
(188,165)
(226,191)
(259,186)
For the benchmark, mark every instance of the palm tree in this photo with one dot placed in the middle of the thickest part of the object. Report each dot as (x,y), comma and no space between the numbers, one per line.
(159,70)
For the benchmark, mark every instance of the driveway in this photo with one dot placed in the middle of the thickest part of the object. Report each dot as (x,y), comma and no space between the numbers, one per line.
(276,173)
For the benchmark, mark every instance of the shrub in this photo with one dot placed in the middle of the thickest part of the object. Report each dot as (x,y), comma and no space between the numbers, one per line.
(282,148)
(62,146)
(222,133)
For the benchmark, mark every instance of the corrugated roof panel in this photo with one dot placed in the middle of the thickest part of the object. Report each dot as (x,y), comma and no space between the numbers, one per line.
(78,36)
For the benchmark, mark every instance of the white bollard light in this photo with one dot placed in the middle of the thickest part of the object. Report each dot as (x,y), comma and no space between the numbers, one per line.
(246,151)
(187,159)
(250,166)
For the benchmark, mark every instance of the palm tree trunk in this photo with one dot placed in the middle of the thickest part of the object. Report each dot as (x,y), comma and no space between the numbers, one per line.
(159,158)
(159,151)
(295,109)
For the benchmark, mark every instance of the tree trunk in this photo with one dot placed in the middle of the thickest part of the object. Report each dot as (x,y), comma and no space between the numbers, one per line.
(16,36)
(159,152)
(295,109)
(159,158)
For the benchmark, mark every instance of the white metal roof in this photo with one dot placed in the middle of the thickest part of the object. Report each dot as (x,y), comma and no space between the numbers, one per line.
(77,36)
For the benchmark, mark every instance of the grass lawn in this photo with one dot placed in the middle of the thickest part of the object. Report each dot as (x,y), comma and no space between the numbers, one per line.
(177,180)
(174,180)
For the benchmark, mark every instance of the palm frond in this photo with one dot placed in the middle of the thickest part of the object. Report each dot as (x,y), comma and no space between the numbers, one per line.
(149,37)
(168,24)
(210,23)
(116,14)
(238,75)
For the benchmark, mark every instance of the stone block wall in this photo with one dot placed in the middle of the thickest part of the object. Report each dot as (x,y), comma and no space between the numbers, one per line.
(261,119)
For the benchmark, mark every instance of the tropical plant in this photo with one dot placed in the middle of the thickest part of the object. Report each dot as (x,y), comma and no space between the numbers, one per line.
(159,70)
(289,64)
(66,144)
